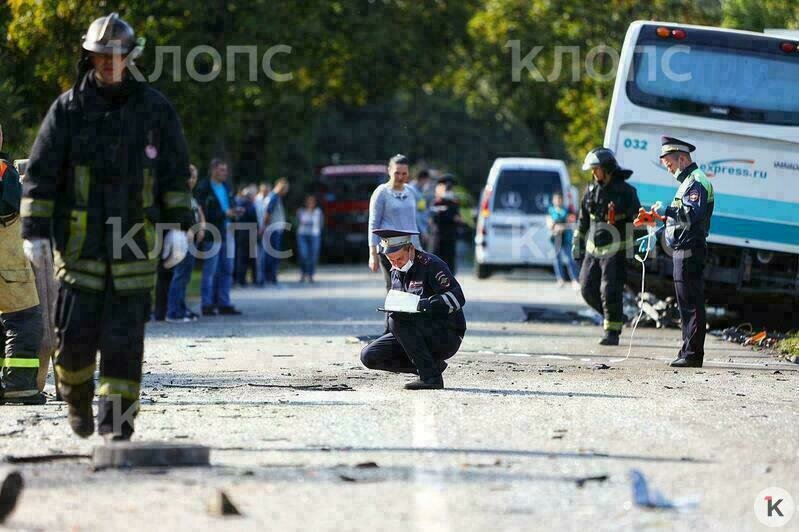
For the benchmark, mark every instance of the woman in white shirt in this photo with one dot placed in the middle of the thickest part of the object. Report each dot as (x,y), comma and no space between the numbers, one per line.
(309,237)
(392,206)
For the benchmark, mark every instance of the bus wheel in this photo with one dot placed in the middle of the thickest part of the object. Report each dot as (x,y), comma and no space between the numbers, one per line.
(482,271)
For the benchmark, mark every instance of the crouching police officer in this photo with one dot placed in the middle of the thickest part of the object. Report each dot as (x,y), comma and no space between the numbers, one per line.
(603,236)
(418,342)
(109,162)
(20,314)
(687,227)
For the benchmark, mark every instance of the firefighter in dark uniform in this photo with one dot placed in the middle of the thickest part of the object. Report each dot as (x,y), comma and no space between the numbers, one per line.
(20,313)
(687,227)
(109,162)
(603,237)
(444,220)
(419,342)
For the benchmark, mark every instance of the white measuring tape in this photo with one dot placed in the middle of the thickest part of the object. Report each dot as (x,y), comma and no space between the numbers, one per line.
(651,240)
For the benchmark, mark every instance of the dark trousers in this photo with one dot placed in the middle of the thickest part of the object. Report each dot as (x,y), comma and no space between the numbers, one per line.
(20,336)
(163,279)
(113,324)
(602,281)
(690,287)
(413,345)
(444,247)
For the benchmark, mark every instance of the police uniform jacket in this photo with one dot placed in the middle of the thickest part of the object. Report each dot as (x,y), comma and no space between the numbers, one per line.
(595,216)
(441,297)
(688,216)
(107,155)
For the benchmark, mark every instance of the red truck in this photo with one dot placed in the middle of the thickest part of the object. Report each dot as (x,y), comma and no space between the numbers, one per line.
(344,192)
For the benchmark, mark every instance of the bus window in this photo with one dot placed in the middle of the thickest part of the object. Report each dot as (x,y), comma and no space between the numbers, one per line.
(717,82)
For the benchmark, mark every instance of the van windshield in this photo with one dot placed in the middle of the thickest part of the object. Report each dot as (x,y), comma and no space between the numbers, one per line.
(524,191)
(351,187)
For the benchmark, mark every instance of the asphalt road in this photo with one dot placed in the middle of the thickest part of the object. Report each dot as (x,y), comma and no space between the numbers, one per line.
(303,438)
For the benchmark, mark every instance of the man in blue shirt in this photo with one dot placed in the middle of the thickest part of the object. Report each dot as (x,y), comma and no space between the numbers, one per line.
(216,200)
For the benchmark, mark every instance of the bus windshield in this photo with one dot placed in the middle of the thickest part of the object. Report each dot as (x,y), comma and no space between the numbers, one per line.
(717,82)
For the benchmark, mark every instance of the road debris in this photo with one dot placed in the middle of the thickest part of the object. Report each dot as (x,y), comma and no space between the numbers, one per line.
(10,489)
(646,497)
(550,315)
(149,454)
(220,505)
(41,458)
(583,480)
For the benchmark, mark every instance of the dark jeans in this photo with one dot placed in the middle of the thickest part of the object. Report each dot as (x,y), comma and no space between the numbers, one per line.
(308,249)
(176,302)
(272,262)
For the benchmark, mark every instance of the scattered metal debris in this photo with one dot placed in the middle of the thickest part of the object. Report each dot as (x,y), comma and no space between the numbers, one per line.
(149,454)
(550,315)
(583,480)
(220,505)
(647,497)
(40,458)
(10,489)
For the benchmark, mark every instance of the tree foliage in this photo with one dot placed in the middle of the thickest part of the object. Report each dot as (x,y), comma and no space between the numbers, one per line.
(369,78)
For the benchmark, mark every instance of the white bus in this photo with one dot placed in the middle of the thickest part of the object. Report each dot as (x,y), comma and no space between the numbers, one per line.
(735,95)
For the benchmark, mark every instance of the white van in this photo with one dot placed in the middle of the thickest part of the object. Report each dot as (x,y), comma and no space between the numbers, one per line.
(511,223)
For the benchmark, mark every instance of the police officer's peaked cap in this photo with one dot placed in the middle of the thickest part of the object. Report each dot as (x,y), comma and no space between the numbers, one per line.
(670,145)
(110,35)
(392,240)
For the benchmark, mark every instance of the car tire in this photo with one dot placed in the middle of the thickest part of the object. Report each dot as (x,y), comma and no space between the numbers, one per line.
(482,271)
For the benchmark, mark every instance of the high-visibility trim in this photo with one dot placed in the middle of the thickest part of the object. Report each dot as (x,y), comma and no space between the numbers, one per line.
(82,280)
(613,325)
(135,283)
(448,302)
(610,249)
(111,386)
(147,191)
(700,177)
(177,200)
(75,377)
(82,183)
(77,235)
(3,168)
(30,207)
(14,362)
(456,304)
(149,240)
(139,267)
(90,266)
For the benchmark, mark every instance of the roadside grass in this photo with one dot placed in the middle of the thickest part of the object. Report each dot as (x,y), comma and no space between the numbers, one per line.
(790,347)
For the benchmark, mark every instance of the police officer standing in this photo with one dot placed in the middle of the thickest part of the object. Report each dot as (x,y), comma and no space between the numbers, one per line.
(443,222)
(687,227)
(20,313)
(418,342)
(603,236)
(109,162)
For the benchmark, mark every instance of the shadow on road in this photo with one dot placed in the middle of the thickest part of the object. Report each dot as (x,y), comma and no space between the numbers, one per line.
(487,391)
(492,452)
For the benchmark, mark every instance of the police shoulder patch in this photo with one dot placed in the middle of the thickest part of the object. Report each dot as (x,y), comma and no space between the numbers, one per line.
(442,279)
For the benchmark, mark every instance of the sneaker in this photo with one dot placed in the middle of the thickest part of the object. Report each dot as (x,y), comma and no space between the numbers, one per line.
(560,283)
(209,311)
(229,311)
(576,286)
(181,319)
(192,315)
